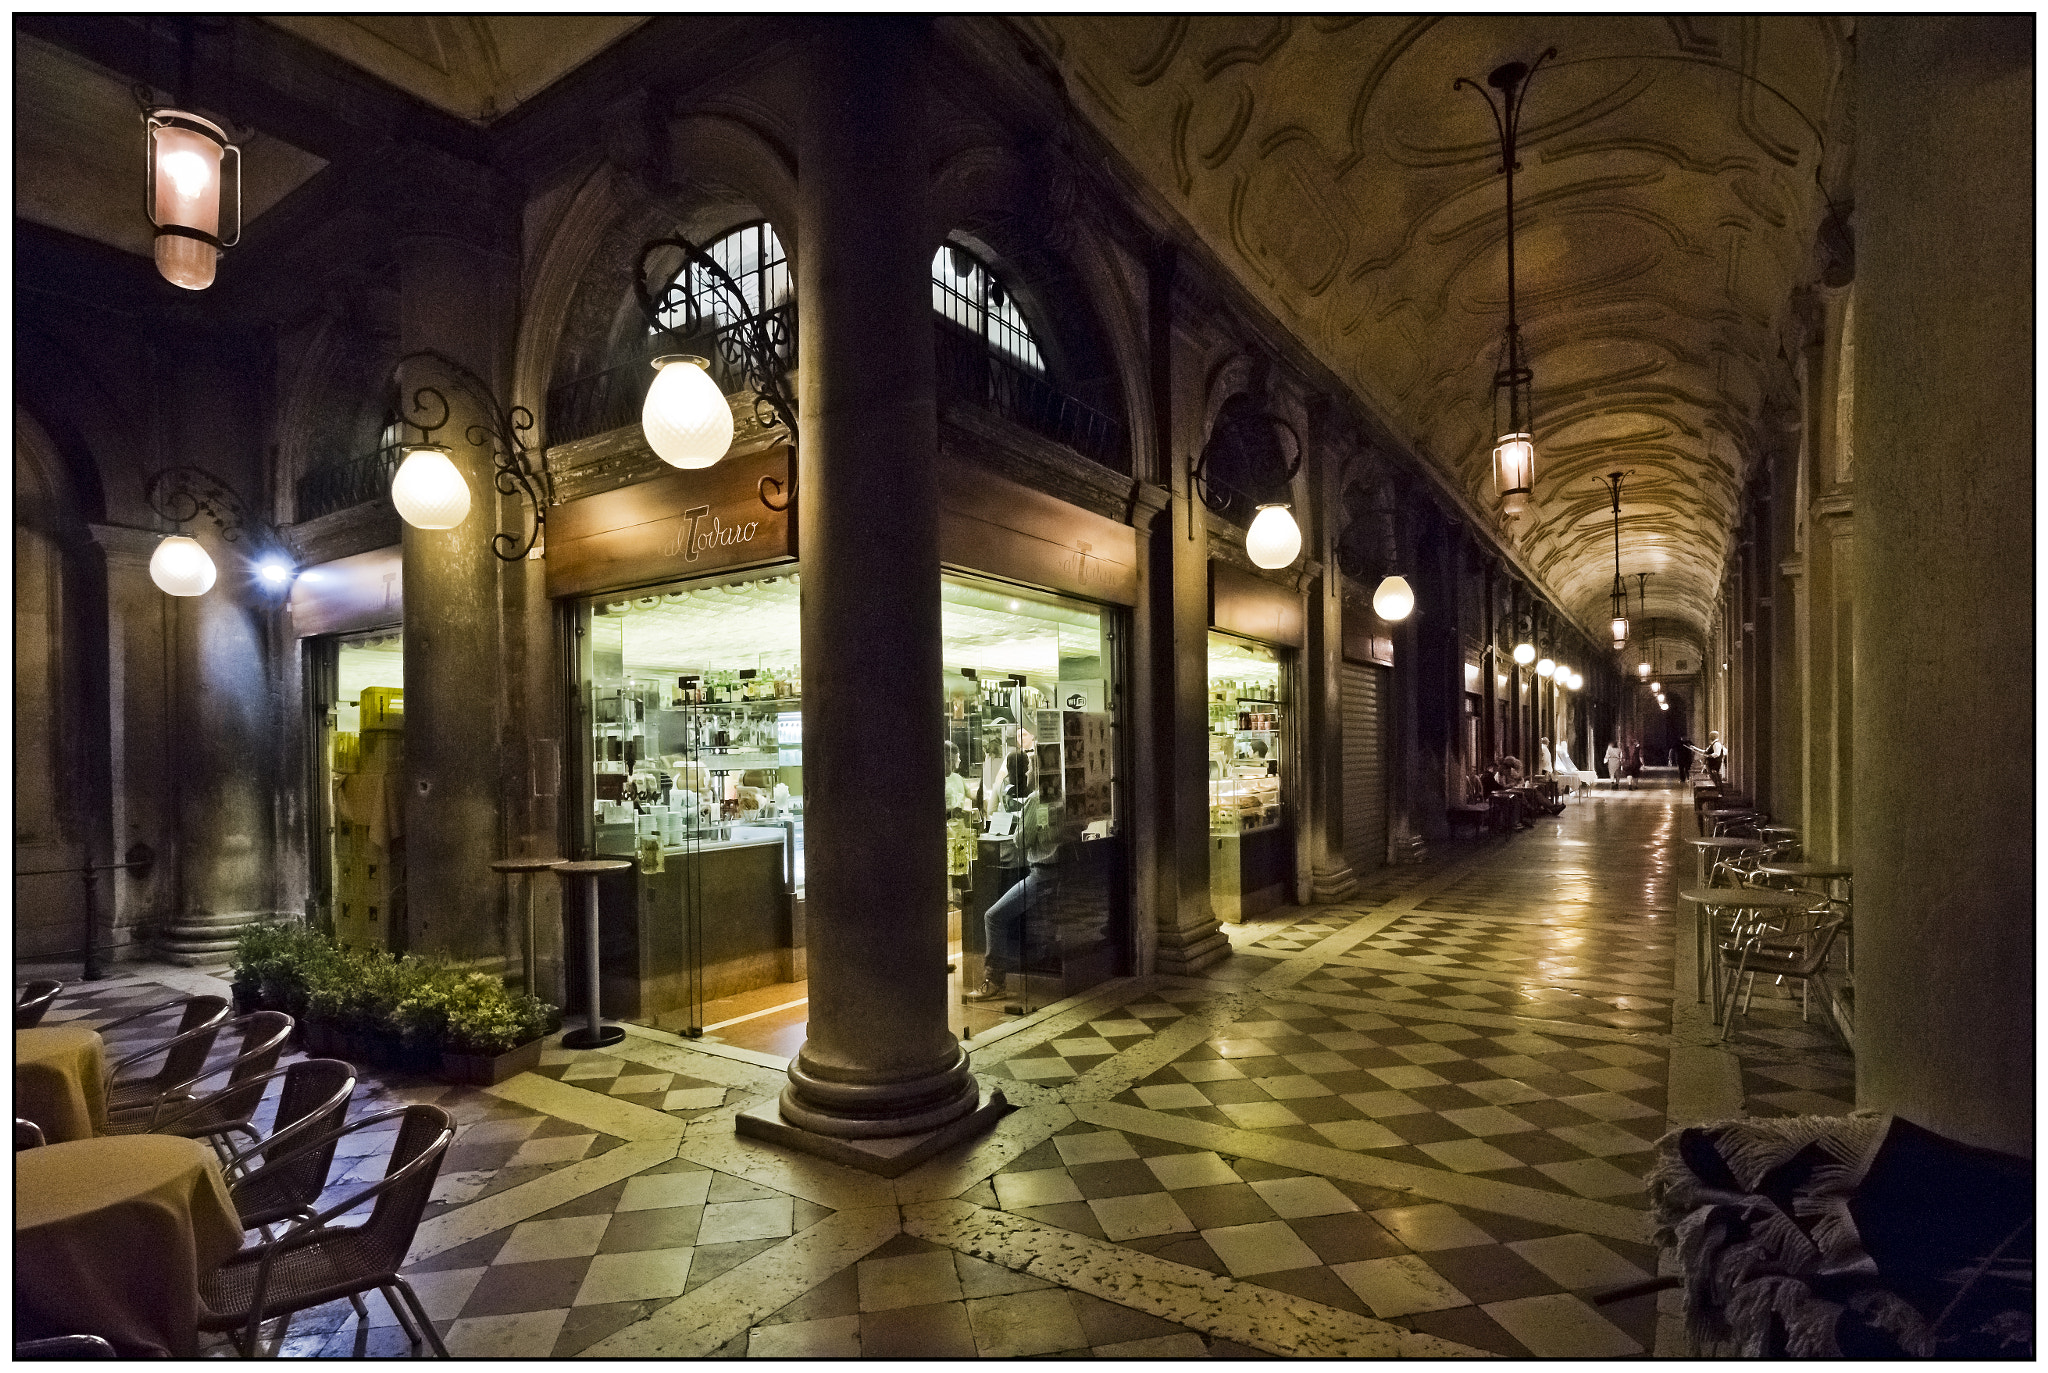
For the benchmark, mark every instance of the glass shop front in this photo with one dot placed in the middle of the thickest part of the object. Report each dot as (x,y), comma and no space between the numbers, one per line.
(359,694)
(1251,837)
(694,769)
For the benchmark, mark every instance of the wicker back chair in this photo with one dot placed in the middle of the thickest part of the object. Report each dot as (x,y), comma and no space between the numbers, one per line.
(184,1053)
(27,1135)
(312,1264)
(31,1001)
(178,1111)
(281,1177)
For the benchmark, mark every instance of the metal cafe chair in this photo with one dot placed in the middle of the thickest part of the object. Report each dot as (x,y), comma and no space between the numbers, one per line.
(31,1001)
(27,1135)
(314,1263)
(281,1176)
(176,1110)
(1797,948)
(184,1053)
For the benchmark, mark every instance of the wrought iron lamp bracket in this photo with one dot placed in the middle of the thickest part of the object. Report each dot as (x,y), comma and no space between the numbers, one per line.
(505,432)
(1218,494)
(182,494)
(753,346)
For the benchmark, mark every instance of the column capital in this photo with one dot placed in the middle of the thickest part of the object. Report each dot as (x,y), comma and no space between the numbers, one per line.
(124,545)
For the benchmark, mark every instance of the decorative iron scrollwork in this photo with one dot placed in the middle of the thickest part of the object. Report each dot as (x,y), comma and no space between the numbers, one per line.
(503,431)
(181,494)
(754,347)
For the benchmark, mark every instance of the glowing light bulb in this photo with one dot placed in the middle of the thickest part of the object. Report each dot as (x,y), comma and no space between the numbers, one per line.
(685,416)
(428,490)
(274,571)
(1394,599)
(1546,667)
(1525,654)
(1274,540)
(188,171)
(180,567)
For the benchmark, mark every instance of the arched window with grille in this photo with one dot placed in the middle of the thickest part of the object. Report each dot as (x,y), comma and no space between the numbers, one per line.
(966,292)
(752,256)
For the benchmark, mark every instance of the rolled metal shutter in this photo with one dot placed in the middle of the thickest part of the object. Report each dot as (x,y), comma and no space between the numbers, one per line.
(1365,767)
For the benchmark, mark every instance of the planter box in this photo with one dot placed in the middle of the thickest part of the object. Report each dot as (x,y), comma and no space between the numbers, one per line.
(484,1070)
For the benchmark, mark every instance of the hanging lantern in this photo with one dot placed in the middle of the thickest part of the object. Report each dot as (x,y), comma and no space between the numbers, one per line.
(1514,472)
(428,490)
(685,416)
(1642,669)
(1525,654)
(1657,687)
(1546,668)
(180,567)
(1274,540)
(182,196)
(1394,599)
(1618,627)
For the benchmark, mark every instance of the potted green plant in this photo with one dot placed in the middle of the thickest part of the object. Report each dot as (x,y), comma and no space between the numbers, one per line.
(491,1033)
(258,951)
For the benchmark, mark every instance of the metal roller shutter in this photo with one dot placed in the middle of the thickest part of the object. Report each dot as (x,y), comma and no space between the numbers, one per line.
(1365,769)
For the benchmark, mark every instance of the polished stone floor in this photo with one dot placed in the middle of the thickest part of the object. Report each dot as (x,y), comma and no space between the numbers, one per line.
(1413,1123)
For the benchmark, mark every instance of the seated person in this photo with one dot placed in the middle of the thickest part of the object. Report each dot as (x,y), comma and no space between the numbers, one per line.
(1039,836)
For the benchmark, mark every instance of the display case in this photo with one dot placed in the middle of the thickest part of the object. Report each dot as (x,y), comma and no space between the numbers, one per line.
(1250,840)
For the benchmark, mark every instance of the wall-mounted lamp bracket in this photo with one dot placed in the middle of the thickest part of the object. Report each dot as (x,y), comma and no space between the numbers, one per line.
(755,346)
(503,431)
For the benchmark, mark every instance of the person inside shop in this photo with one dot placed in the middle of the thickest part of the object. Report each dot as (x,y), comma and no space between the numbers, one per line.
(959,796)
(1038,843)
(994,749)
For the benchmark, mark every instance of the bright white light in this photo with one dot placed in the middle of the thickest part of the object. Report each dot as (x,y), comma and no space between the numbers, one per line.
(1274,540)
(1394,599)
(1642,669)
(180,567)
(1514,472)
(1546,667)
(1525,654)
(685,417)
(1663,705)
(275,572)
(1577,681)
(1657,687)
(428,491)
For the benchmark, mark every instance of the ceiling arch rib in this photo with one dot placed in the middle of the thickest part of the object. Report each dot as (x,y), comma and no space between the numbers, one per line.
(1667,209)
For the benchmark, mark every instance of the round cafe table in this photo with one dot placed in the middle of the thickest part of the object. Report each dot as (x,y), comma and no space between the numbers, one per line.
(1715,844)
(596,1034)
(1712,899)
(110,1236)
(60,1081)
(527,867)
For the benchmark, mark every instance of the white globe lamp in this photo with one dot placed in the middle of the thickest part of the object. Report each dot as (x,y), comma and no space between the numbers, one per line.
(180,567)
(1546,668)
(685,416)
(428,490)
(1394,599)
(1274,540)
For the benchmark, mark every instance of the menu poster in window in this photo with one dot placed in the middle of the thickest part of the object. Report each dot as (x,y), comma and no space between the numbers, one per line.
(1092,803)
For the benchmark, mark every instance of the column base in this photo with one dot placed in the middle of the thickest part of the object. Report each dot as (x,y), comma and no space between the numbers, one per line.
(887,1158)
(1184,952)
(1332,884)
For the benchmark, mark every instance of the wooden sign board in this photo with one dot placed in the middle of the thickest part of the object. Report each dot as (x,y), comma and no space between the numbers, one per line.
(363,591)
(988,524)
(1240,603)
(1367,638)
(684,524)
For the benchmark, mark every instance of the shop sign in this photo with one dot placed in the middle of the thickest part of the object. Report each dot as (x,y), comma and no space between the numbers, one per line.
(1367,638)
(682,524)
(995,526)
(364,591)
(1240,603)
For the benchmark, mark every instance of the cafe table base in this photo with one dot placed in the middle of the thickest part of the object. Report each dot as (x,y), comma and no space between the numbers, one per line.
(110,1236)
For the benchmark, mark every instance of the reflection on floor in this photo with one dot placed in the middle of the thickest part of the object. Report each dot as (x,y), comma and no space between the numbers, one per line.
(1414,1123)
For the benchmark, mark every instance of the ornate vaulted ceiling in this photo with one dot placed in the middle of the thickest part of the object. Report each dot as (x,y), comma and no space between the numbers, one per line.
(1667,210)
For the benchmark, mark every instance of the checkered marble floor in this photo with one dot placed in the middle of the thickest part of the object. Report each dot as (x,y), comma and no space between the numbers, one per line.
(1494,1282)
(1493,1030)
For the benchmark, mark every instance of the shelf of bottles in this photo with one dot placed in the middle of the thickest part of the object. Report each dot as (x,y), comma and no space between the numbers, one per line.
(700,756)
(1246,721)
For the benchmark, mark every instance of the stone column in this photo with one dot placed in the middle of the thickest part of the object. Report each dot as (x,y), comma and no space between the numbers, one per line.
(880,1061)
(452,291)
(141,756)
(1945,491)
(1329,876)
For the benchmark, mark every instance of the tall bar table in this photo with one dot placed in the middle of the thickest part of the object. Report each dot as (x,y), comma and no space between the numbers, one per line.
(597,1034)
(527,866)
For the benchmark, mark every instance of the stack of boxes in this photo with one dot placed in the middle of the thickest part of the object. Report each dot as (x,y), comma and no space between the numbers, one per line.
(369,775)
